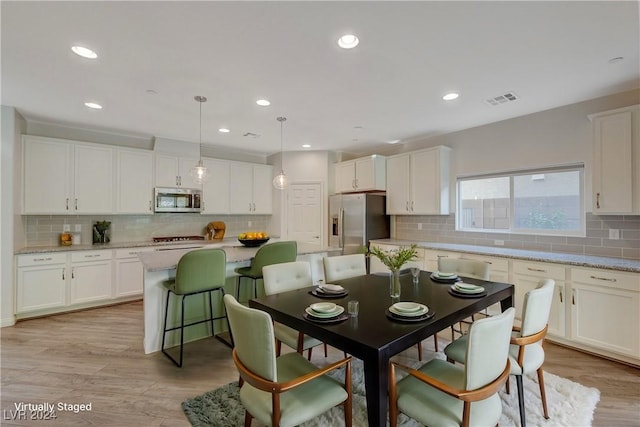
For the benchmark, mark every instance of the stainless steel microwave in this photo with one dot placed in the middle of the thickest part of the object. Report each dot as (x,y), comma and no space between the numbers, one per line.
(178,199)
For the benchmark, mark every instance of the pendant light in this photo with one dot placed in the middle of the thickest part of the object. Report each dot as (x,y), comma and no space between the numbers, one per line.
(280,181)
(199,172)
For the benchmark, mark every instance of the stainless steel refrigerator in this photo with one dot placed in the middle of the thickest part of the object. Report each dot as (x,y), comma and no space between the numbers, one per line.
(355,219)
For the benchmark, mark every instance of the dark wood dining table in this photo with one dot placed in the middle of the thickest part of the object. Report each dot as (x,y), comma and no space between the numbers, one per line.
(372,336)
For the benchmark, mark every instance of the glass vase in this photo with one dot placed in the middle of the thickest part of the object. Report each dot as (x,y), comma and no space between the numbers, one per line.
(394,284)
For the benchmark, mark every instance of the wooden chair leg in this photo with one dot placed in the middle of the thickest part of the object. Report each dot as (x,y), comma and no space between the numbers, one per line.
(419,351)
(325,350)
(543,394)
(348,404)
(506,386)
(309,354)
(393,397)
(247,419)
(435,342)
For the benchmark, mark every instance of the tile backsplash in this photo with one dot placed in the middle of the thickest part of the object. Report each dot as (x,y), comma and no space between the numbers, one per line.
(442,229)
(44,230)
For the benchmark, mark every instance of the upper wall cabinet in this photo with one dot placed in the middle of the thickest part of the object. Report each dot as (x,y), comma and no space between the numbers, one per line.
(364,174)
(173,171)
(134,181)
(616,161)
(215,192)
(67,177)
(250,188)
(418,182)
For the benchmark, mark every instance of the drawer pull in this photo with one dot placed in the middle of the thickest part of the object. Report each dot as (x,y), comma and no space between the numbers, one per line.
(73,273)
(573,297)
(91,256)
(63,274)
(42,259)
(598,200)
(560,293)
(539,270)
(608,279)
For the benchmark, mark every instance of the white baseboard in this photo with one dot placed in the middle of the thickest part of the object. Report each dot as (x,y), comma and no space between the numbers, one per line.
(10,321)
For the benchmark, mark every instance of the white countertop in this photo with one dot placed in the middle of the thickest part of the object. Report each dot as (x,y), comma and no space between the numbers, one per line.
(560,258)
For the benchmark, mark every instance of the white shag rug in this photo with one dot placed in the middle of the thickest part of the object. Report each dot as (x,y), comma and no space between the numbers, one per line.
(569,404)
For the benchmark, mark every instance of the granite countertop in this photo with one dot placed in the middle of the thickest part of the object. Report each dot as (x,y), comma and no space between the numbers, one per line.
(167,260)
(560,258)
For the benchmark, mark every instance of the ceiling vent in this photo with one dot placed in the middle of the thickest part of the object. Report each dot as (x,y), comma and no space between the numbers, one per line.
(502,99)
(251,135)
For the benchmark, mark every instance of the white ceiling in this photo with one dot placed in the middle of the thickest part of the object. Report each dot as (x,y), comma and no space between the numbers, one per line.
(411,53)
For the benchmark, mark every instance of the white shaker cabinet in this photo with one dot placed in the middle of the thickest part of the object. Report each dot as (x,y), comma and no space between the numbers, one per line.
(616,161)
(251,188)
(129,272)
(172,171)
(418,182)
(605,307)
(40,282)
(363,174)
(134,182)
(91,276)
(526,275)
(67,177)
(216,191)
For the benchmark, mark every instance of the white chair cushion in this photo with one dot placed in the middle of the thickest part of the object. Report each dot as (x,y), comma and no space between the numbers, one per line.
(533,359)
(300,404)
(344,267)
(434,408)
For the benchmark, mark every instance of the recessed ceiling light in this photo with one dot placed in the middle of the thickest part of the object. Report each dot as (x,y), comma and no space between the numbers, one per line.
(93,105)
(348,41)
(395,141)
(263,102)
(224,130)
(306,145)
(84,52)
(450,96)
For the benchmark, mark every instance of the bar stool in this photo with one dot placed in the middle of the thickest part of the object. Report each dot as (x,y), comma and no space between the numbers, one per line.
(199,271)
(271,253)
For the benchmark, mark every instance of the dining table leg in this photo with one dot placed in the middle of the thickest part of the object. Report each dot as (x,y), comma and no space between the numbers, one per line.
(376,383)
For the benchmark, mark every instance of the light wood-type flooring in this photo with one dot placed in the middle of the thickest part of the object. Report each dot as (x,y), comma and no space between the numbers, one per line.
(96,357)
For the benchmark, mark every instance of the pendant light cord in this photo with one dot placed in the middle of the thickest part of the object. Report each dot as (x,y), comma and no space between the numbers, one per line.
(281,119)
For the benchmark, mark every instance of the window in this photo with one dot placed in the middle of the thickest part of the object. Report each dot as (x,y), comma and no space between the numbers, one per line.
(543,201)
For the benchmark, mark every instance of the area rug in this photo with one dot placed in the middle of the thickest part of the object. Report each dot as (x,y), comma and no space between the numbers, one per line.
(570,404)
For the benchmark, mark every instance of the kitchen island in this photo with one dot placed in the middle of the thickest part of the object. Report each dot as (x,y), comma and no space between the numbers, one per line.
(160,266)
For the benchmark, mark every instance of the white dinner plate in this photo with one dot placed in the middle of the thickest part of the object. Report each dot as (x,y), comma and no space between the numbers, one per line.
(338,311)
(441,275)
(328,287)
(466,288)
(407,307)
(323,307)
(423,310)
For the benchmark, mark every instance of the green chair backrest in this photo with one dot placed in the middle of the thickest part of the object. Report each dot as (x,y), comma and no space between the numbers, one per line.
(200,270)
(273,253)
(253,338)
(488,349)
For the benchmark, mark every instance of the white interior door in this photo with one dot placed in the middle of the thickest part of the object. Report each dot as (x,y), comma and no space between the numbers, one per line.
(304,210)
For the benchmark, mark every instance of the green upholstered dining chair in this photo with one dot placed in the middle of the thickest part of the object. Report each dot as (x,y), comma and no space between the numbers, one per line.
(285,277)
(271,253)
(199,271)
(445,394)
(525,353)
(463,267)
(343,267)
(281,390)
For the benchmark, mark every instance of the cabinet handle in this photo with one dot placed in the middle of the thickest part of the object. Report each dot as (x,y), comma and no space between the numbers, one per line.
(356,183)
(42,259)
(539,270)
(150,206)
(63,274)
(76,204)
(573,296)
(608,279)
(560,293)
(598,200)
(67,203)
(412,206)
(353,183)
(73,273)
(406,208)
(254,207)
(91,256)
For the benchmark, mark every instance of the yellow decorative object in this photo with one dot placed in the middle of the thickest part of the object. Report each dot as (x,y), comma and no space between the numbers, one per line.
(66,239)
(216,230)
